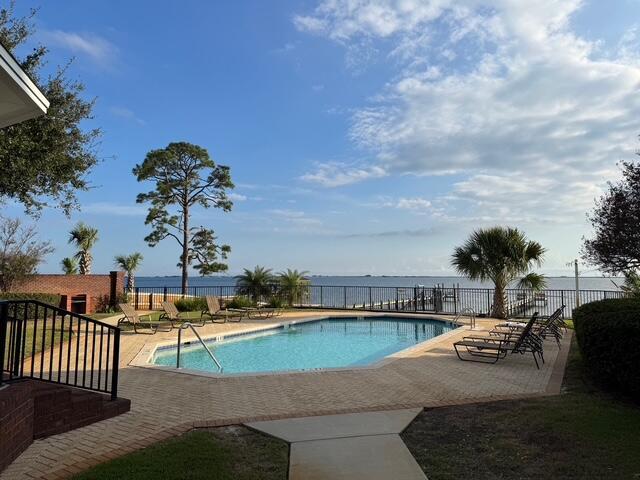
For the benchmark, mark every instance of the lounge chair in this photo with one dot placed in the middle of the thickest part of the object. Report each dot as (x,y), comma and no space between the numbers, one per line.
(219,315)
(552,325)
(262,312)
(147,326)
(492,348)
(176,318)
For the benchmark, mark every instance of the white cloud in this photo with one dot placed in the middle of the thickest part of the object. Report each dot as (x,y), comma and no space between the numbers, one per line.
(337,174)
(237,197)
(127,114)
(288,221)
(295,217)
(99,50)
(108,208)
(413,204)
(502,92)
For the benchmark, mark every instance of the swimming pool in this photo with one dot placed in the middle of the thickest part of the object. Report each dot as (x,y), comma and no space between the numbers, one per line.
(312,345)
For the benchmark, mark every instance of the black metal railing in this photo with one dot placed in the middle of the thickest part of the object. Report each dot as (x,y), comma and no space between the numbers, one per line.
(43,342)
(520,303)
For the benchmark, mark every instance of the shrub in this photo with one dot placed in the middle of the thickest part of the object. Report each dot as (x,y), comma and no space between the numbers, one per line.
(610,305)
(608,333)
(191,304)
(103,303)
(239,302)
(48,298)
(278,302)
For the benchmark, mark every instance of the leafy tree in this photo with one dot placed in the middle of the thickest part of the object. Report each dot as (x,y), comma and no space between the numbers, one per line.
(185,177)
(20,252)
(84,238)
(69,266)
(255,283)
(46,159)
(293,284)
(129,263)
(501,255)
(615,247)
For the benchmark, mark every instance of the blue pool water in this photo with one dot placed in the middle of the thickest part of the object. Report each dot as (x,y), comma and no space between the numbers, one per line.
(326,343)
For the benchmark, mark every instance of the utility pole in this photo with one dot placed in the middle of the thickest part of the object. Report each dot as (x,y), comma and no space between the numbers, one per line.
(575,263)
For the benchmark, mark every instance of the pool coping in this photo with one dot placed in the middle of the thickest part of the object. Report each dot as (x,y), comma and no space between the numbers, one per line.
(144,357)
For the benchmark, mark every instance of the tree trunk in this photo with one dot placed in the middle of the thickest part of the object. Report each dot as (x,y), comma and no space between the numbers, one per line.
(185,251)
(499,309)
(130,282)
(84,265)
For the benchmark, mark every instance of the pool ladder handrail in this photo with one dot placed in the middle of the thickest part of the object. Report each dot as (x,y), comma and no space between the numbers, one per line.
(184,326)
(471,314)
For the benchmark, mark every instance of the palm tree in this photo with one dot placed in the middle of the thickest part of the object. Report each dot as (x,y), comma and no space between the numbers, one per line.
(69,266)
(631,285)
(84,237)
(129,263)
(292,284)
(500,254)
(256,283)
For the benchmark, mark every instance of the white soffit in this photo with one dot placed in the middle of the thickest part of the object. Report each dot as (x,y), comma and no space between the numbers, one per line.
(20,98)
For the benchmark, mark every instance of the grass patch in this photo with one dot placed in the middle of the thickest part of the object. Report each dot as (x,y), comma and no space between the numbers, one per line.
(583,433)
(228,453)
(48,334)
(100,316)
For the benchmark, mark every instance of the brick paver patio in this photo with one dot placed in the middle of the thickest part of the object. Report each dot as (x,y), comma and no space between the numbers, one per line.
(166,403)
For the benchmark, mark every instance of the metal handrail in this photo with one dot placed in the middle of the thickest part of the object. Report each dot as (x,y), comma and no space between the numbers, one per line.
(189,325)
(472,316)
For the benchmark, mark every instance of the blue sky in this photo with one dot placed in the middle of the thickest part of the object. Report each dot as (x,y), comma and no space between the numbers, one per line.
(364,136)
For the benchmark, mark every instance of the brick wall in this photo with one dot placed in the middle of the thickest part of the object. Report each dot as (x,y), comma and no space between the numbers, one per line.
(30,410)
(16,422)
(94,287)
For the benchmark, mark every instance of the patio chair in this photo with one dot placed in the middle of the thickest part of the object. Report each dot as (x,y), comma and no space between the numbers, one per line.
(262,312)
(133,318)
(552,325)
(219,315)
(492,348)
(176,318)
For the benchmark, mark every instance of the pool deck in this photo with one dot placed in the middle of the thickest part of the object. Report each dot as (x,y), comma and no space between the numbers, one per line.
(165,403)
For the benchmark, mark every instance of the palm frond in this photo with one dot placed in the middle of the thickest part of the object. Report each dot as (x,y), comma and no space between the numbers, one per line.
(533,281)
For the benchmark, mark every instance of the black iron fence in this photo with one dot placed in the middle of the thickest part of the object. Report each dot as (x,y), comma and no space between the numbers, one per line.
(453,300)
(43,342)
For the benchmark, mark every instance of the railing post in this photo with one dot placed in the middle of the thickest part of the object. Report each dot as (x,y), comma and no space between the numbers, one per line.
(18,351)
(321,298)
(137,295)
(116,364)
(179,347)
(345,296)
(4,321)
(164,294)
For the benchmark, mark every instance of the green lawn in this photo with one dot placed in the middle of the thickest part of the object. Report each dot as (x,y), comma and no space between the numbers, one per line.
(100,316)
(29,347)
(228,453)
(582,434)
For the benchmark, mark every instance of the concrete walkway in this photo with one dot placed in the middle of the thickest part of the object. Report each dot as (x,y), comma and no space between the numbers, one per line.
(356,446)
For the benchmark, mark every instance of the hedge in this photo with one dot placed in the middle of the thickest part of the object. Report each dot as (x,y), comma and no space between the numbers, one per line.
(48,298)
(191,304)
(608,333)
